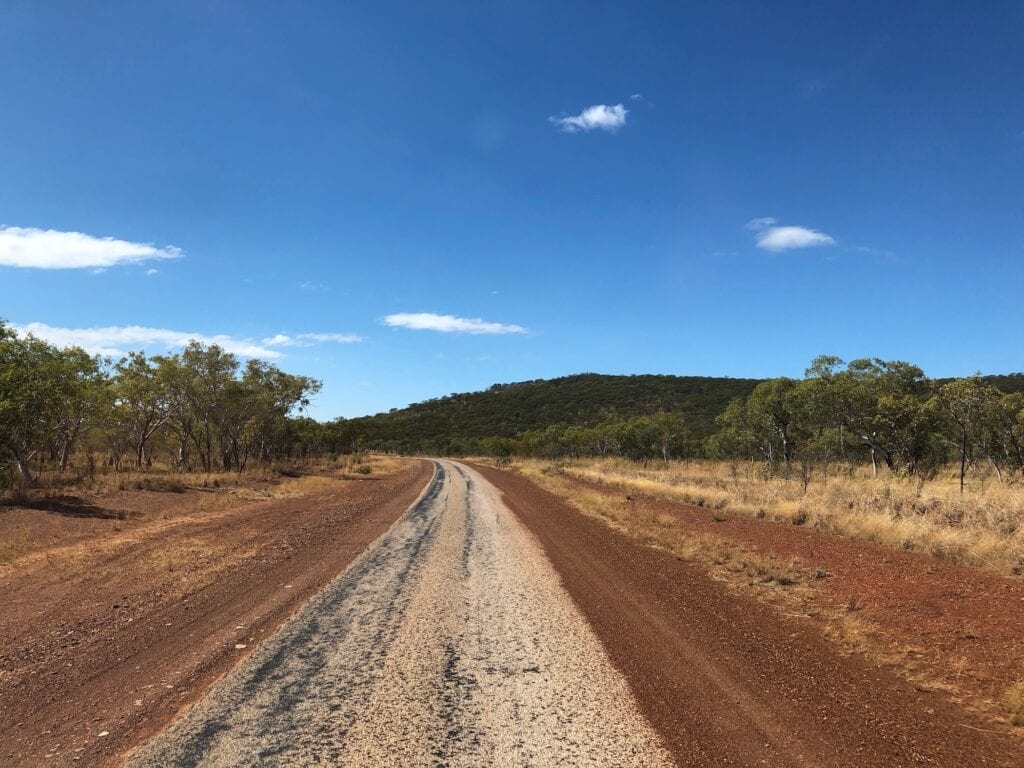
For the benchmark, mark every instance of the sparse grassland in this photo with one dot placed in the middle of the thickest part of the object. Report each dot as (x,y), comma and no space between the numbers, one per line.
(982,527)
(69,519)
(664,531)
(631,499)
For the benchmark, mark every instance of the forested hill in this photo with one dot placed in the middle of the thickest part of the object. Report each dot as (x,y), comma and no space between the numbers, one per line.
(456,423)
(507,410)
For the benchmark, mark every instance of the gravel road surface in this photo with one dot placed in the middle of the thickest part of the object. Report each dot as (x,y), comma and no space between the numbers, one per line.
(449,642)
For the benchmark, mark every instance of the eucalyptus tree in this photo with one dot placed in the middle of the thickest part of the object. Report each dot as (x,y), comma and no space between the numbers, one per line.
(143,402)
(1006,432)
(32,392)
(968,405)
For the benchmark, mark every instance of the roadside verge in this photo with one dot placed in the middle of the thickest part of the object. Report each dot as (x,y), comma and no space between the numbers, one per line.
(101,658)
(726,677)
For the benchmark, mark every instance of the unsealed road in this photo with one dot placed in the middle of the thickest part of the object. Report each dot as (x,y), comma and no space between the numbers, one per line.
(485,629)
(450,642)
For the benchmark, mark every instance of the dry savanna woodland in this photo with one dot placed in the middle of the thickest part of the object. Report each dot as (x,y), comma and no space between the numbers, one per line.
(883,506)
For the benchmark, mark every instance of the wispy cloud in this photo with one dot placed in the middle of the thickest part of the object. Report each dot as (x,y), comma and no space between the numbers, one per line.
(309,339)
(117,339)
(428,321)
(30,248)
(598,117)
(773,237)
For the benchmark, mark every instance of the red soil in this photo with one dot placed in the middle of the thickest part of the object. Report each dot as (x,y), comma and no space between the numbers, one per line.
(97,636)
(726,679)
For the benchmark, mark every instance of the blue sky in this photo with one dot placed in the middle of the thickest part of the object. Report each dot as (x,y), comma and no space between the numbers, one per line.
(703,188)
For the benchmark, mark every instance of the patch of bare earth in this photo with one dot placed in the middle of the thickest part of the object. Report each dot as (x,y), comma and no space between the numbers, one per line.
(117,610)
(948,625)
(730,679)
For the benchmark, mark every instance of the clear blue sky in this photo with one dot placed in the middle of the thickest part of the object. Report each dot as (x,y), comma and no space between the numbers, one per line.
(325,167)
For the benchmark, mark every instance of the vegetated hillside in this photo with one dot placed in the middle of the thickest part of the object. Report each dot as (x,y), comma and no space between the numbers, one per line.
(507,410)
(456,423)
(1007,383)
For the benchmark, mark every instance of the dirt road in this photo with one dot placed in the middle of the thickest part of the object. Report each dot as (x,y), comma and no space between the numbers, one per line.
(450,642)
(110,624)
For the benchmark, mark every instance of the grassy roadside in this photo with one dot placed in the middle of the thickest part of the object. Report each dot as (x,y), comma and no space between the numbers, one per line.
(76,521)
(664,532)
(788,585)
(983,527)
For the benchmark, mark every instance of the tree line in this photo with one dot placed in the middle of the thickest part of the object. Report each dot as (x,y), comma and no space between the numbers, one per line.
(199,409)
(880,413)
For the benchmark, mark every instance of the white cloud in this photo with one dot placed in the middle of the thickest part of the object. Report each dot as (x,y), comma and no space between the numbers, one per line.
(151,272)
(308,339)
(337,338)
(51,249)
(756,225)
(771,237)
(428,321)
(117,340)
(600,117)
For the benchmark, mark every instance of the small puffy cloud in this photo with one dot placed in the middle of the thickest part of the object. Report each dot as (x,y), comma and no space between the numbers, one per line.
(428,321)
(151,272)
(772,237)
(756,225)
(280,340)
(118,340)
(30,248)
(309,339)
(598,117)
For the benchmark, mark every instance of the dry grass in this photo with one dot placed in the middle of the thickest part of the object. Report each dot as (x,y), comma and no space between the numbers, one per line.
(665,532)
(197,563)
(14,544)
(164,479)
(1013,701)
(984,527)
(384,464)
(292,488)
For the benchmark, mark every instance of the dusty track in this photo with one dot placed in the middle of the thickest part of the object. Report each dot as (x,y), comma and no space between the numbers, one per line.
(480,629)
(115,633)
(725,679)
(448,643)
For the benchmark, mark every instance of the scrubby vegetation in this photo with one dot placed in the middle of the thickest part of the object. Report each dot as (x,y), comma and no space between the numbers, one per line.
(882,414)
(63,411)
(983,527)
(539,412)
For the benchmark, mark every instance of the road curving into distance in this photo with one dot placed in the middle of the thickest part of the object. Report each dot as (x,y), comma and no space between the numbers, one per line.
(449,642)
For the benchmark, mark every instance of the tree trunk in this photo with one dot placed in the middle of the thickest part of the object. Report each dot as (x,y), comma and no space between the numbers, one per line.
(22,463)
(65,455)
(963,459)
(995,466)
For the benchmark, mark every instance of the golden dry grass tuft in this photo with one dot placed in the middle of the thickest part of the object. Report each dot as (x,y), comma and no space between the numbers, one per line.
(983,527)
(1013,701)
